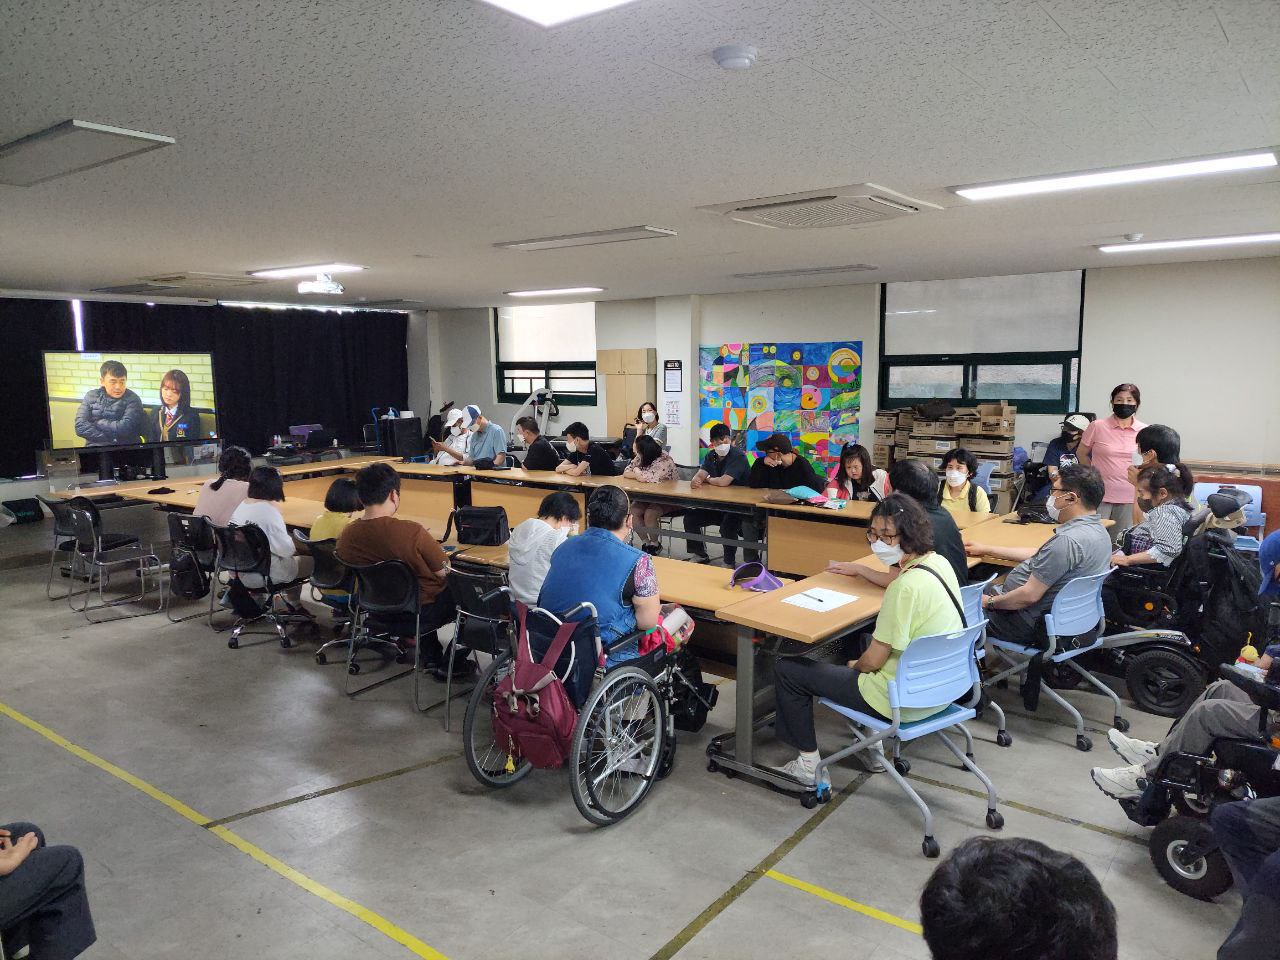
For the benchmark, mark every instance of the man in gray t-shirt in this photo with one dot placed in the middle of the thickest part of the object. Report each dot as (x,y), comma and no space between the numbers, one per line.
(1080,547)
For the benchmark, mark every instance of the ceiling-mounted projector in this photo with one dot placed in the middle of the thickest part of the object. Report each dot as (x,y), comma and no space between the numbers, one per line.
(323,283)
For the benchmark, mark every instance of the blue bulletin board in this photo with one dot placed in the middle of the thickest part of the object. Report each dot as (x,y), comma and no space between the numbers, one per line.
(809,391)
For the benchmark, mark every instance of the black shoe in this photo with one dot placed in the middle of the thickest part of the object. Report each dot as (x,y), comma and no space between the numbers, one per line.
(653,549)
(463,669)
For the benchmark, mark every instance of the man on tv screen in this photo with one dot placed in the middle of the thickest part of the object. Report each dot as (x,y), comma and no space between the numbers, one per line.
(112,413)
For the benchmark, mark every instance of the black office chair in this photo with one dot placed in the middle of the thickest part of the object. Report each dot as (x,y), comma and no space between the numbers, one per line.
(190,537)
(95,557)
(245,551)
(490,618)
(64,534)
(386,600)
(330,573)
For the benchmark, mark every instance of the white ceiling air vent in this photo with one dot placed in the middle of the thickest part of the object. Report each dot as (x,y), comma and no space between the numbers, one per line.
(855,205)
(805,272)
(393,304)
(173,283)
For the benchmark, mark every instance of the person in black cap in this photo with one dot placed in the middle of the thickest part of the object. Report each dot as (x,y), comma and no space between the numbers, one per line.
(778,467)
(435,426)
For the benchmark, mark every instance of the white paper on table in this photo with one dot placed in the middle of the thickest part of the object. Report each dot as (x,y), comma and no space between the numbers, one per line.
(820,599)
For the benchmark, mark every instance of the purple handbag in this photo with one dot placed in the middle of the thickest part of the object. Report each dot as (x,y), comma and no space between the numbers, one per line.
(754,576)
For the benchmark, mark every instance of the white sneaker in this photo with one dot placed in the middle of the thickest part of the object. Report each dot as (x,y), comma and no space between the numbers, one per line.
(804,772)
(873,758)
(1130,749)
(1122,783)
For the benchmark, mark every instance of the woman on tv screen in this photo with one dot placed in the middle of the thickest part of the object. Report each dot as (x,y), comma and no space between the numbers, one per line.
(174,419)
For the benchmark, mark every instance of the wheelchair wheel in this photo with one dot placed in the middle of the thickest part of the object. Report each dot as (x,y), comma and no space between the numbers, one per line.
(618,745)
(1206,876)
(1163,682)
(489,761)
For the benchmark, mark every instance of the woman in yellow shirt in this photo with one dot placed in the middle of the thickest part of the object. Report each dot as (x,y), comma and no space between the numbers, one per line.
(958,493)
(341,504)
(923,601)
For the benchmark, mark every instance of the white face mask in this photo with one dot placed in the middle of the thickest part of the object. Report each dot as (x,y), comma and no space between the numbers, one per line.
(956,478)
(649,416)
(456,430)
(573,530)
(1051,507)
(886,554)
(722,450)
(1136,457)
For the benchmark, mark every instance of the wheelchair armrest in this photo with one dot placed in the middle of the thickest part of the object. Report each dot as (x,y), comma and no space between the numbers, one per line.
(1260,692)
(631,637)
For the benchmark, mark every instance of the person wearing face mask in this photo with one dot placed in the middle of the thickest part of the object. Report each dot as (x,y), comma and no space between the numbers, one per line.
(1110,445)
(958,493)
(1080,547)
(534,541)
(778,467)
(539,453)
(585,458)
(452,451)
(647,424)
(600,567)
(1155,444)
(723,466)
(488,440)
(854,477)
(922,601)
(1060,452)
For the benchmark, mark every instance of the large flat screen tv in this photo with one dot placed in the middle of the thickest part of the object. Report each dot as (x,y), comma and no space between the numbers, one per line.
(100,401)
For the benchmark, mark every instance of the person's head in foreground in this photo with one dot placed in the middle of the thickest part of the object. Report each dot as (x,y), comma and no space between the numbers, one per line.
(1076,491)
(113,378)
(559,510)
(1016,899)
(900,529)
(378,487)
(609,508)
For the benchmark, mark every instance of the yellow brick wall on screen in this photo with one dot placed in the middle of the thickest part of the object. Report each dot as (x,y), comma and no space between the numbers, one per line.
(71,375)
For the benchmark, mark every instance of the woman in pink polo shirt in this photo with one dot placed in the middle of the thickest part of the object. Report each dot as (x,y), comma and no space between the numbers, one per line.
(1109,444)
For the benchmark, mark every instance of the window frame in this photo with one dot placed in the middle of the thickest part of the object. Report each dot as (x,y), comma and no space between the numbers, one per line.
(587,368)
(969,363)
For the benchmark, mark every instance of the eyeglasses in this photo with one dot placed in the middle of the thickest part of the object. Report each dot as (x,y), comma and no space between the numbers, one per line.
(889,538)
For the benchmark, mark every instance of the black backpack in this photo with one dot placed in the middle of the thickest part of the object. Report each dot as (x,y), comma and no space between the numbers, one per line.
(1217,593)
(479,526)
(186,579)
(692,697)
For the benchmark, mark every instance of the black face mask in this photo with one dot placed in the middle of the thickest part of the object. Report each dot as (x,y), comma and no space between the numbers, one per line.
(1124,410)
(1145,504)
(1069,438)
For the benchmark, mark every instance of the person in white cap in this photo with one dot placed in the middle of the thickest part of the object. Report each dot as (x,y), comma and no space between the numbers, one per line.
(1062,450)
(457,440)
(486,444)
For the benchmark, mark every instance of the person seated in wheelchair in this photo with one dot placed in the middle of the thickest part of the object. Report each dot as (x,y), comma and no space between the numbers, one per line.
(600,567)
(1223,710)
(1157,540)
(925,604)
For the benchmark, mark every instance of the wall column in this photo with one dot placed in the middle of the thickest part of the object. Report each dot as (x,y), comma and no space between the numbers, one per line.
(678,322)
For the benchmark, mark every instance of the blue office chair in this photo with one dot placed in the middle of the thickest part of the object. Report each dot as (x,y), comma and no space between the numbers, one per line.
(983,477)
(931,670)
(971,603)
(1254,518)
(1076,610)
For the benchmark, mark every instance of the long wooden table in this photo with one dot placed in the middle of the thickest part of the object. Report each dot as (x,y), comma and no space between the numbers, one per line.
(997,532)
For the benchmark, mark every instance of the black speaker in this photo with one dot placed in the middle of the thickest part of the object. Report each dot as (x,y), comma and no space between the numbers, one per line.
(402,437)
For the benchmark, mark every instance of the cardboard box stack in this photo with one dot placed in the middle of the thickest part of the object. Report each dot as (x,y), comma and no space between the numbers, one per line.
(987,432)
(930,439)
(883,440)
(630,378)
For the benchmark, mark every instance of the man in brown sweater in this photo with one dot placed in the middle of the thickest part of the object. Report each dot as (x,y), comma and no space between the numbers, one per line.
(379,535)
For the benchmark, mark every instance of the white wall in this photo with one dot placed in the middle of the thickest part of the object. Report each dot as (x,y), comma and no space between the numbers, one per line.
(1202,342)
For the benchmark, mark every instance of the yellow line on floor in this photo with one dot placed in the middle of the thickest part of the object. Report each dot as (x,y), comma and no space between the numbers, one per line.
(845,902)
(362,913)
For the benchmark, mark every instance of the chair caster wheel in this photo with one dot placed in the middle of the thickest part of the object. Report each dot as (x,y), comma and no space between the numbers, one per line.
(808,801)
(353,668)
(903,766)
(995,820)
(1084,744)
(233,643)
(930,848)
(1121,724)
(321,659)
(286,642)
(712,766)
(1003,739)
(825,795)
(731,774)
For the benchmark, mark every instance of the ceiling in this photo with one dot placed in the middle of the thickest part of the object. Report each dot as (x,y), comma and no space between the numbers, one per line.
(412,135)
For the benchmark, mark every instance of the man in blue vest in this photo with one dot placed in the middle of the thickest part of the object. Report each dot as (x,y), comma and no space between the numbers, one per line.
(599,566)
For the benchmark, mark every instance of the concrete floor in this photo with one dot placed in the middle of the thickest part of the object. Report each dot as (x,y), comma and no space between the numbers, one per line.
(470,872)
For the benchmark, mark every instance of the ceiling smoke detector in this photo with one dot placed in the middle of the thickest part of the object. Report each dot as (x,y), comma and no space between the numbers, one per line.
(735,56)
(323,283)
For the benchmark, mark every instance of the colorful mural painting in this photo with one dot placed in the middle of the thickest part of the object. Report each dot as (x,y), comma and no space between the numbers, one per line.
(809,391)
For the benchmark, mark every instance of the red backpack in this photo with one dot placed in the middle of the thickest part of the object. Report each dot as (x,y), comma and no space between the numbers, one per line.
(531,709)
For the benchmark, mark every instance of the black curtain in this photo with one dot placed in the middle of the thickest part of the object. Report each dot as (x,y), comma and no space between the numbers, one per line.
(272,368)
(27,329)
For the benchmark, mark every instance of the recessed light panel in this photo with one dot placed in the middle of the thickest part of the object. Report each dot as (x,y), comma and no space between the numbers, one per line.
(1118,176)
(587,239)
(1191,243)
(558,292)
(70,147)
(552,13)
(279,273)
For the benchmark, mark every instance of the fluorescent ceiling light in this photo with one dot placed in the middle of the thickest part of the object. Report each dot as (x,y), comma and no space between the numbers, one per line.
(1190,244)
(70,147)
(1118,175)
(277,273)
(257,305)
(565,291)
(586,239)
(903,313)
(804,271)
(552,13)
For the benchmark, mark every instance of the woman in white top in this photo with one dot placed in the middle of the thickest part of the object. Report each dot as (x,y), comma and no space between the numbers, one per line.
(219,498)
(456,435)
(266,489)
(533,542)
(648,424)
(855,478)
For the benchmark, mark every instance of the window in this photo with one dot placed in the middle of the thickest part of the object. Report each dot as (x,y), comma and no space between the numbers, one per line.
(547,345)
(984,339)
